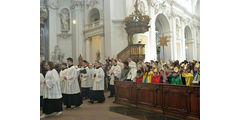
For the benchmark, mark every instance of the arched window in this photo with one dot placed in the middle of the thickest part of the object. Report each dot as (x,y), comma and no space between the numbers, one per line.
(94,15)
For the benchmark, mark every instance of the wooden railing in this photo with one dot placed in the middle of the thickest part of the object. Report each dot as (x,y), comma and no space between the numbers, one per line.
(135,51)
(182,102)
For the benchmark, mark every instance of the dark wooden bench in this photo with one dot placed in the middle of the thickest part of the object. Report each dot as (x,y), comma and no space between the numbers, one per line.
(178,101)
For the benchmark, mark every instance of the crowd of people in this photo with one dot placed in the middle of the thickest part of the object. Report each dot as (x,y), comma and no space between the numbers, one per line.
(70,85)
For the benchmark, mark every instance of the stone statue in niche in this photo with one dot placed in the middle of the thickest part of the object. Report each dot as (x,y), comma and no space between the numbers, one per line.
(57,56)
(65,20)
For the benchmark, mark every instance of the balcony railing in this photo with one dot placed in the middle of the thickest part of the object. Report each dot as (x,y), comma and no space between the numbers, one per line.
(94,25)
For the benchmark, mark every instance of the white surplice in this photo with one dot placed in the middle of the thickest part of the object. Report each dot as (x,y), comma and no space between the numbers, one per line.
(63,83)
(52,86)
(72,81)
(85,83)
(41,84)
(116,70)
(98,80)
(91,74)
(133,71)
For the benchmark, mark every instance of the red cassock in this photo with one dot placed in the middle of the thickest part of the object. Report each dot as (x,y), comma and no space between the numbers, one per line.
(139,79)
(156,79)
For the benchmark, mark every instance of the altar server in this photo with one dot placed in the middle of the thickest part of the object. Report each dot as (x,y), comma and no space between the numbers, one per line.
(63,83)
(115,73)
(73,96)
(98,85)
(85,82)
(52,93)
(133,70)
(41,88)
(91,71)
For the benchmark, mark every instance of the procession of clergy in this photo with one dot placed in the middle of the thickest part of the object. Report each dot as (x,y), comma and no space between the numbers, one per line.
(69,85)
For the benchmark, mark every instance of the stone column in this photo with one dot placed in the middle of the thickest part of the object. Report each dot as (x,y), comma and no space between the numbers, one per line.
(78,38)
(152,36)
(43,17)
(102,52)
(183,41)
(88,52)
(52,31)
(174,39)
(194,43)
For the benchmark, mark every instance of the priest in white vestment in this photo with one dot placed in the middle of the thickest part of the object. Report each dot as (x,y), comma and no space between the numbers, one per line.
(98,85)
(133,70)
(72,91)
(52,93)
(84,78)
(115,73)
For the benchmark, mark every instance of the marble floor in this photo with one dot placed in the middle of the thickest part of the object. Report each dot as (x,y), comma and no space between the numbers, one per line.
(105,111)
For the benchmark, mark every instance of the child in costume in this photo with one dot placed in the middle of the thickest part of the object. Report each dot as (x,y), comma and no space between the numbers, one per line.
(196,74)
(156,77)
(139,77)
(147,78)
(188,76)
(182,66)
(176,79)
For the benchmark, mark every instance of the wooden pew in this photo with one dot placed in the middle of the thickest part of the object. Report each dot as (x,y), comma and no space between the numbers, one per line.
(178,101)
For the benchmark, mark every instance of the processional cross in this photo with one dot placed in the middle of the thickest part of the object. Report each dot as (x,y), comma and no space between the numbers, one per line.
(163,42)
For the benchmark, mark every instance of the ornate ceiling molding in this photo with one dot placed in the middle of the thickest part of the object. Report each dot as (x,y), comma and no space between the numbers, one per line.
(64,35)
(93,32)
(91,3)
(77,4)
(53,4)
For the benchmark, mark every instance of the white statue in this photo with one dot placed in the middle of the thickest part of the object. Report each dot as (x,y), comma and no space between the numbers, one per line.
(57,56)
(65,20)
(142,8)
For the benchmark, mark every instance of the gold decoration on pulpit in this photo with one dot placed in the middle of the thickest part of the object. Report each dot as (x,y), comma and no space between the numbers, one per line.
(163,42)
(135,23)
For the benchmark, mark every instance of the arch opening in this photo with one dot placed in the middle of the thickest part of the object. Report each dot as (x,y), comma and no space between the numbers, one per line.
(162,28)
